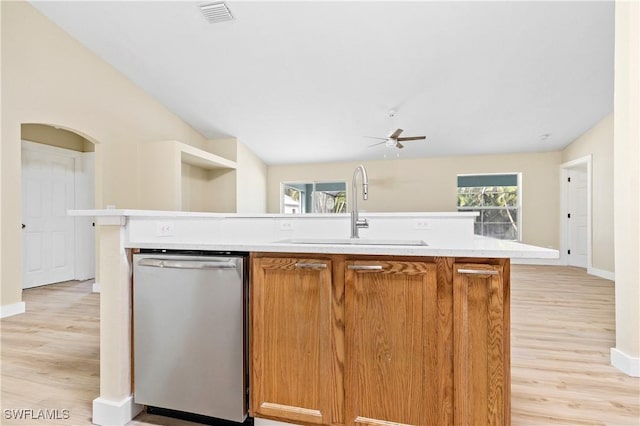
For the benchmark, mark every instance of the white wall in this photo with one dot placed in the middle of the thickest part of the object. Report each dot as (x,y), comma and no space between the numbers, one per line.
(429,184)
(598,142)
(626,157)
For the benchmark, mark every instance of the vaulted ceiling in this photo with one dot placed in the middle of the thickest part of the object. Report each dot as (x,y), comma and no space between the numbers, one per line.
(305,81)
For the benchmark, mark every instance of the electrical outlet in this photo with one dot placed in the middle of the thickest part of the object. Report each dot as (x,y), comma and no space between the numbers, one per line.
(423,224)
(164,229)
(286,225)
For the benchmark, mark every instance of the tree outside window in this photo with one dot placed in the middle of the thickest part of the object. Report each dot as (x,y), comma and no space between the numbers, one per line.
(496,197)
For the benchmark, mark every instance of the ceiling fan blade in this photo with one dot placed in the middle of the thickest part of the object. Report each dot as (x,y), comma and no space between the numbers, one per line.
(375,137)
(395,134)
(379,143)
(399,145)
(412,138)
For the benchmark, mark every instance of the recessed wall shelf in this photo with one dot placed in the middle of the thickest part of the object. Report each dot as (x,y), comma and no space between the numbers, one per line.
(179,176)
(203,159)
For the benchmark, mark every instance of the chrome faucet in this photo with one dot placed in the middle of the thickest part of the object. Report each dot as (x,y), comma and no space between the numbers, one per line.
(357,223)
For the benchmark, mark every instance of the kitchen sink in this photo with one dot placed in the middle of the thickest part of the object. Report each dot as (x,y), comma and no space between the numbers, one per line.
(354,241)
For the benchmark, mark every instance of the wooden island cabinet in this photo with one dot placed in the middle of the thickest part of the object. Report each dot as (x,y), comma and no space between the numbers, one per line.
(292,350)
(379,340)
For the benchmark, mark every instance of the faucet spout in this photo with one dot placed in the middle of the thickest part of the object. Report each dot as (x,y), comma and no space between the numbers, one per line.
(357,223)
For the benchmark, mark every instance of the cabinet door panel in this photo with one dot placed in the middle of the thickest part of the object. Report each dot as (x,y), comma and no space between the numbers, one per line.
(291,341)
(481,328)
(391,332)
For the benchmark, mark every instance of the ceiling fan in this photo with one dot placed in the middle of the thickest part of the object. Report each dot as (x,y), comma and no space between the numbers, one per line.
(394,139)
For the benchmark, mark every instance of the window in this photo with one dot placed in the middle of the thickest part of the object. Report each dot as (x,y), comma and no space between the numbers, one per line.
(313,197)
(498,200)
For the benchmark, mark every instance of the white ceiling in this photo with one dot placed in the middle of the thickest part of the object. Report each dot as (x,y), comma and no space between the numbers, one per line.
(305,81)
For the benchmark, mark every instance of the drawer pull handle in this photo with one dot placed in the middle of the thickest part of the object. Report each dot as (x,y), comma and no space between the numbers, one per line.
(477,272)
(366,267)
(302,265)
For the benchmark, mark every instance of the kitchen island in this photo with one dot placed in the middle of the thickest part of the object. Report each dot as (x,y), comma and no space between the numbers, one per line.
(367,334)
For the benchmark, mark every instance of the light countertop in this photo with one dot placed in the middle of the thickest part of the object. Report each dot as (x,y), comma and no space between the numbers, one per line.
(481,247)
(182,214)
(448,234)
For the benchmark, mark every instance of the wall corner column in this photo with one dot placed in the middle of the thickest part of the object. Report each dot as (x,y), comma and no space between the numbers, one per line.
(626,157)
(115,404)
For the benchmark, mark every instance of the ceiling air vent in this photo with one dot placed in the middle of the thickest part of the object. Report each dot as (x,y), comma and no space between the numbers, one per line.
(216,12)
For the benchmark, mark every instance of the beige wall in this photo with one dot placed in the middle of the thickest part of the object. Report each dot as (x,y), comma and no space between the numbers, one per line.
(158,175)
(251,182)
(60,138)
(222,191)
(626,157)
(194,186)
(167,183)
(208,190)
(429,184)
(48,77)
(598,142)
(1,160)
(242,190)
(225,148)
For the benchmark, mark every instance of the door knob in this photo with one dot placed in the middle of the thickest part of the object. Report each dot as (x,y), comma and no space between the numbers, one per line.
(24,226)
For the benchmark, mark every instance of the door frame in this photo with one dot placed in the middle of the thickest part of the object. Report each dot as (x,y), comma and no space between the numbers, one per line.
(78,234)
(84,184)
(564,208)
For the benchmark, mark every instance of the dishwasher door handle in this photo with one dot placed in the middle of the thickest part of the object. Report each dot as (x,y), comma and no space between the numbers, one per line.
(186,264)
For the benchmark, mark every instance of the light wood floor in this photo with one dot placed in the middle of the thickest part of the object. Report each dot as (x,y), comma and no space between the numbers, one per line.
(562,324)
(562,329)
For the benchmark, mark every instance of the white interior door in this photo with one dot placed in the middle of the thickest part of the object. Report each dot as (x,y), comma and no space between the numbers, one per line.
(577,217)
(48,233)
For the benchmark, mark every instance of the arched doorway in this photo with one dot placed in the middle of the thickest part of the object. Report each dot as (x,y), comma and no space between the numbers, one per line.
(58,174)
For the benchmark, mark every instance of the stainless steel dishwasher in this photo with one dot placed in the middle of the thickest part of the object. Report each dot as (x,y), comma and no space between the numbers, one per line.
(190,332)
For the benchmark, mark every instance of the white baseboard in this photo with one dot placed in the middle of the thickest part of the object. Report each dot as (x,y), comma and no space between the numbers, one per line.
(12,309)
(545,262)
(107,412)
(96,287)
(607,275)
(265,422)
(628,364)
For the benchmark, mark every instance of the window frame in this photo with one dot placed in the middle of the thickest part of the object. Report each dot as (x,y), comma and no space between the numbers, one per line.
(283,187)
(289,183)
(517,207)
